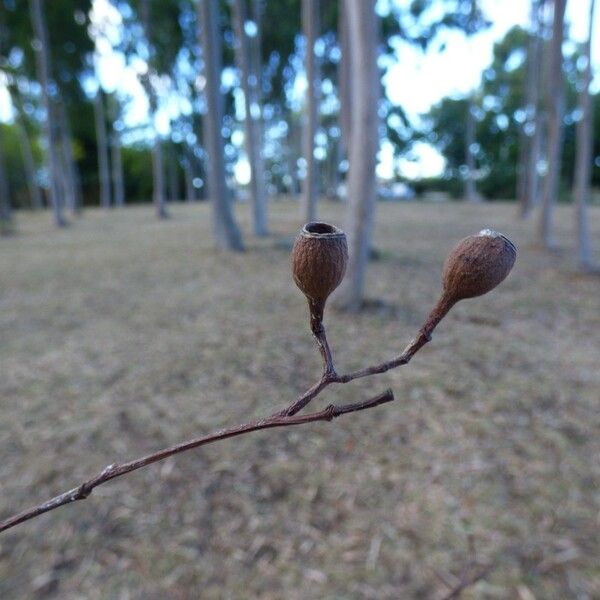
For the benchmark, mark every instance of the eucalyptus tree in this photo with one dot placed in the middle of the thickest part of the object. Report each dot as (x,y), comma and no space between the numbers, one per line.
(555,100)
(43,59)
(310,26)
(531,130)
(226,231)
(249,79)
(5,204)
(583,164)
(363,31)
(102,146)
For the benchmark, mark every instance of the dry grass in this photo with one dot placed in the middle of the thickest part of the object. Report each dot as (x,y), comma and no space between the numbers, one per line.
(121,335)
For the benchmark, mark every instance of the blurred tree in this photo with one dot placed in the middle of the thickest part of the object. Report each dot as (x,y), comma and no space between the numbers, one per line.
(5,204)
(531,131)
(42,49)
(226,231)
(249,80)
(101,140)
(584,159)
(153,24)
(310,26)
(363,35)
(555,100)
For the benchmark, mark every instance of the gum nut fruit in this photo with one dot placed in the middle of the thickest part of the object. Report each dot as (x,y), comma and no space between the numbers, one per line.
(319,260)
(478,264)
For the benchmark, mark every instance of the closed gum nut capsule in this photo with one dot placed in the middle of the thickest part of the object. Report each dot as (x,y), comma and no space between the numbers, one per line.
(477,264)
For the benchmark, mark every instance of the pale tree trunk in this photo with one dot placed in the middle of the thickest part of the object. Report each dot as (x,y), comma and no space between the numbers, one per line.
(158,179)
(583,159)
(362,27)
(292,152)
(158,176)
(102,149)
(227,233)
(117,170)
(252,130)
(469,190)
(530,134)
(35,194)
(173,174)
(556,107)
(43,61)
(310,25)
(71,179)
(5,208)
(345,82)
(190,195)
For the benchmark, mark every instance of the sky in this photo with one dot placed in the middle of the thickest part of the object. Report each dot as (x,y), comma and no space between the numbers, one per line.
(416,82)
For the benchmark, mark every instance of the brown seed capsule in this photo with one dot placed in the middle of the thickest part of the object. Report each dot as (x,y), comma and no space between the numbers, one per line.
(319,260)
(478,264)
(475,266)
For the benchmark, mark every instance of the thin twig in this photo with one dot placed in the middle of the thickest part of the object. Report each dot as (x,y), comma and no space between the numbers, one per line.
(112,471)
(330,376)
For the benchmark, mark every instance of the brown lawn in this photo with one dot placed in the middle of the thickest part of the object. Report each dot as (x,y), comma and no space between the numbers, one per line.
(120,335)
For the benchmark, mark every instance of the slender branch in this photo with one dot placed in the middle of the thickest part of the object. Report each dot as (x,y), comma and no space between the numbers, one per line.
(330,376)
(82,491)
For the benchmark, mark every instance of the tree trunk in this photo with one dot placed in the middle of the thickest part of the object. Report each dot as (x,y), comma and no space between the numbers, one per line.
(35,194)
(102,147)
(43,61)
(227,234)
(117,171)
(253,143)
(292,151)
(345,82)
(583,159)
(71,182)
(556,107)
(190,194)
(469,190)
(5,208)
(173,174)
(158,179)
(310,25)
(362,21)
(530,134)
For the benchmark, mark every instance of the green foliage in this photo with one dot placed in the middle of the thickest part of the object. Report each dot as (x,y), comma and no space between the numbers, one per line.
(498,108)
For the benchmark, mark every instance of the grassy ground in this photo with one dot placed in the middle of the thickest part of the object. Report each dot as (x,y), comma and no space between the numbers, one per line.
(121,335)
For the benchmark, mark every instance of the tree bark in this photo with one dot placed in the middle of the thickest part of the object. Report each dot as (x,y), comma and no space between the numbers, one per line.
(362,21)
(345,82)
(469,190)
(71,181)
(158,179)
(158,176)
(35,194)
(190,195)
(173,173)
(117,170)
(310,25)
(252,130)
(102,147)
(556,106)
(51,130)
(530,134)
(5,207)
(227,234)
(583,158)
